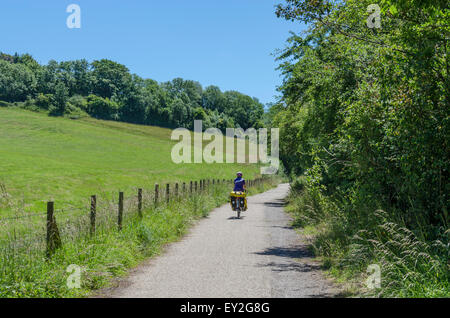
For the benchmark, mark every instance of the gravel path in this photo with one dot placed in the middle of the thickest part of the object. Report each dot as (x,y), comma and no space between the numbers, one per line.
(259,255)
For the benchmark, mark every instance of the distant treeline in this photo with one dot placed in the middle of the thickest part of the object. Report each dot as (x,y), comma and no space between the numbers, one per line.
(107,90)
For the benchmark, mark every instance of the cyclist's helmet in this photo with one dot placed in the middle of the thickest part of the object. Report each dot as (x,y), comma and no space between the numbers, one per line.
(239,174)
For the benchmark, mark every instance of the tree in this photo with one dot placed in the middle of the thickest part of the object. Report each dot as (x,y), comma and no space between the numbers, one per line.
(124,96)
(213,99)
(110,79)
(245,111)
(17,82)
(60,99)
(370,106)
(101,108)
(189,91)
(133,103)
(179,113)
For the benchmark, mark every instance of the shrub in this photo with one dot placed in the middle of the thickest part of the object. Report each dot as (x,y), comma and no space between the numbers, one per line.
(79,102)
(102,108)
(44,101)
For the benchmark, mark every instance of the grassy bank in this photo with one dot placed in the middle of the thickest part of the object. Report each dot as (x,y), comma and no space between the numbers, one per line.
(25,271)
(349,235)
(52,158)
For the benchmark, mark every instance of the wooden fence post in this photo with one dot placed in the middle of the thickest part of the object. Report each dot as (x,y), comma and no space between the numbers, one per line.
(93,213)
(50,210)
(120,216)
(184,188)
(191,187)
(195,186)
(167,192)
(53,237)
(140,202)
(176,189)
(156,193)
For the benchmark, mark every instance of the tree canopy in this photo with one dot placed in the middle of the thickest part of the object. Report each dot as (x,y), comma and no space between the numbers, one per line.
(107,90)
(369,106)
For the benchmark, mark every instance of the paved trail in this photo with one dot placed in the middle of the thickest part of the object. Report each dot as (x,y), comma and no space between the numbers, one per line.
(259,255)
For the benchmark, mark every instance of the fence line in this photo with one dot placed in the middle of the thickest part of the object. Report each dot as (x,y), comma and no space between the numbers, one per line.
(22,216)
(136,203)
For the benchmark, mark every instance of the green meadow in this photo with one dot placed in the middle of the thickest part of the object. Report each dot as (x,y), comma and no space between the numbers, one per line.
(58,159)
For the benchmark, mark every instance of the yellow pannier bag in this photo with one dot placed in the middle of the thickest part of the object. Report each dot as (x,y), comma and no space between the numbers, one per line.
(238,195)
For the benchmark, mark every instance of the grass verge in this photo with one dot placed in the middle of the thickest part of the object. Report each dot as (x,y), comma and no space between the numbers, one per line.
(353,240)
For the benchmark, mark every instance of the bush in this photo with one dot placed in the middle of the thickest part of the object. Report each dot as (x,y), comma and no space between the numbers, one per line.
(44,101)
(101,108)
(298,184)
(79,102)
(73,112)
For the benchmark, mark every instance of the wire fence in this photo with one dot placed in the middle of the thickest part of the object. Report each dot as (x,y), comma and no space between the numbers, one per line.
(44,230)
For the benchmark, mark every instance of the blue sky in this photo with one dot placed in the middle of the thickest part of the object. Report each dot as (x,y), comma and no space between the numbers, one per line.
(227,43)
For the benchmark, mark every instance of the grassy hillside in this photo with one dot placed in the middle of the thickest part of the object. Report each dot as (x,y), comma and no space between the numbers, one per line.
(46,158)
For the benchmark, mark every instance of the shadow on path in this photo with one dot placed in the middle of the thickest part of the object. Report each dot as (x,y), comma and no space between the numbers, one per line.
(290,252)
(236,218)
(279,203)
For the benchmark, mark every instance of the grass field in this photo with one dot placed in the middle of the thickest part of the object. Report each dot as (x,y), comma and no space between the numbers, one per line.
(45,158)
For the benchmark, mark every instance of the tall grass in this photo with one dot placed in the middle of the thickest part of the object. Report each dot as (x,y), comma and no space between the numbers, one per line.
(26,272)
(349,234)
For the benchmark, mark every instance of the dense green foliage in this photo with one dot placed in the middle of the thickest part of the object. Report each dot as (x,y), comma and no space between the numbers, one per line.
(105,89)
(364,122)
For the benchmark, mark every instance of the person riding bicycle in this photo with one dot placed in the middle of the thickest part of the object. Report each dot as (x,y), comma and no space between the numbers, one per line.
(239,183)
(239,193)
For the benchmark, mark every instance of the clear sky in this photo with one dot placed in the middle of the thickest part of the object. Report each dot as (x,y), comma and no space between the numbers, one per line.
(227,43)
